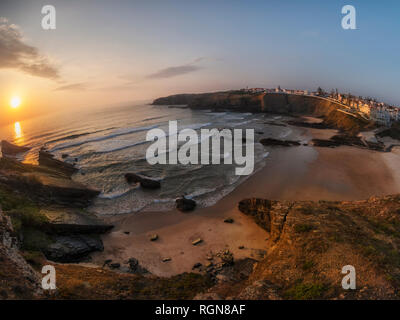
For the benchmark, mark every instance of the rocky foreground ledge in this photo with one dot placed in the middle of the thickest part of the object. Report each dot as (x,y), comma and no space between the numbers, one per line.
(307,246)
(309,243)
(47,209)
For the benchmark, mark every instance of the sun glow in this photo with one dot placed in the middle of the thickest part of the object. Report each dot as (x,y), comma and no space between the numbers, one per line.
(15,102)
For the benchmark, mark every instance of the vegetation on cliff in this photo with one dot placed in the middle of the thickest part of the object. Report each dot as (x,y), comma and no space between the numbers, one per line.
(310,242)
(64,231)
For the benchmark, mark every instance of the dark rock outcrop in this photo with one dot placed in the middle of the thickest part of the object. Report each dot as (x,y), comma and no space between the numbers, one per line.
(275,142)
(73,248)
(46,159)
(135,267)
(9,149)
(392,132)
(18,279)
(348,140)
(68,232)
(179,99)
(318,125)
(145,183)
(66,221)
(183,204)
(50,190)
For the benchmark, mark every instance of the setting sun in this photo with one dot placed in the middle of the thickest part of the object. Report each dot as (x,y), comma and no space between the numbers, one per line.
(15,102)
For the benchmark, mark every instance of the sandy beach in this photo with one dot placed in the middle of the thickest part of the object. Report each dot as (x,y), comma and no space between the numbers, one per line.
(295,173)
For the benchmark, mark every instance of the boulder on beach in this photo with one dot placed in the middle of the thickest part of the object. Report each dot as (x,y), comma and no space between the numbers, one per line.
(135,267)
(183,204)
(196,266)
(154,237)
(145,183)
(197,241)
(10,149)
(73,248)
(115,265)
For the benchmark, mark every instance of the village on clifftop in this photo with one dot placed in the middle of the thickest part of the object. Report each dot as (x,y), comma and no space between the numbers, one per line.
(368,108)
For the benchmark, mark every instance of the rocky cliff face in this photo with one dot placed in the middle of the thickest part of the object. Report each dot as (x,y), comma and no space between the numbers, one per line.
(44,184)
(310,242)
(17,279)
(47,209)
(271,102)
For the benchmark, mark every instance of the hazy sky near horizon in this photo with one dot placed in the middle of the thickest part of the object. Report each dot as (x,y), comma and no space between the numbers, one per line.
(110,52)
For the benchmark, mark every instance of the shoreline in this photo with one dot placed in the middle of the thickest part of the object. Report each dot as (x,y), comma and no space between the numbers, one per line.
(294,173)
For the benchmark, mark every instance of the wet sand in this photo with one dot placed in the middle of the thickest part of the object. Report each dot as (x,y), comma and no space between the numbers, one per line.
(295,173)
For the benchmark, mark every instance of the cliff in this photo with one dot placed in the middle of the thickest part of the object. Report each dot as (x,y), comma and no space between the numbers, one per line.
(234,100)
(307,246)
(279,103)
(309,243)
(18,280)
(47,211)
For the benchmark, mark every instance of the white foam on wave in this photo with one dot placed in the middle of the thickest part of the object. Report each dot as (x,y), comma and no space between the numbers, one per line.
(114,149)
(285,134)
(241,123)
(114,134)
(115,194)
(217,113)
(163,200)
(200,192)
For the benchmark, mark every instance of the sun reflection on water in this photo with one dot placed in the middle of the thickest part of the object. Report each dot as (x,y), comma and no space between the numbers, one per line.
(19,139)
(18,134)
(18,130)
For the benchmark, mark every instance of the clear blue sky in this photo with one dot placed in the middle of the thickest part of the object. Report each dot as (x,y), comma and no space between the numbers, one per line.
(116,51)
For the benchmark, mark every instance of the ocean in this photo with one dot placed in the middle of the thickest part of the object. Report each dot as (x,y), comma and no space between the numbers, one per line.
(107,143)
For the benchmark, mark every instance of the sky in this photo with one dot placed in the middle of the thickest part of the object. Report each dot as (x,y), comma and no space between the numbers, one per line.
(105,53)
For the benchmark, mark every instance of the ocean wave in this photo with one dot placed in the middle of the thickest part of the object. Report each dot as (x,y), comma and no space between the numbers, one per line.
(77,135)
(107,137)
(234,118)
(153,118)
(114,149)
(163,200)
(241,123)
(196,126)
(217,113)
(200,192)
(285,134)
(115,194)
